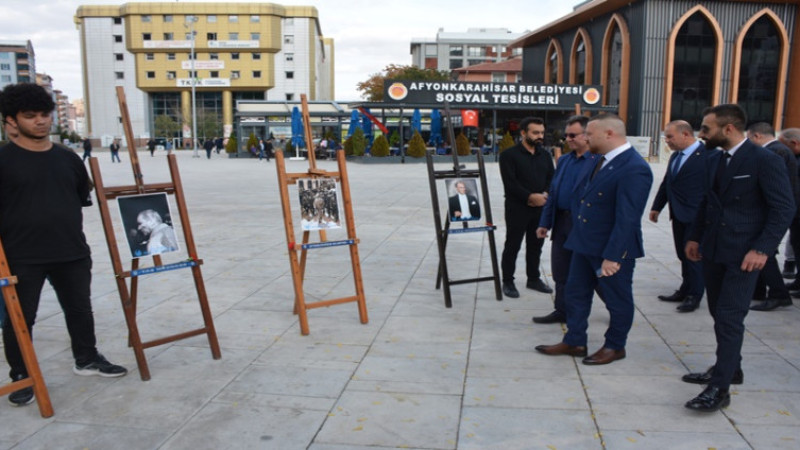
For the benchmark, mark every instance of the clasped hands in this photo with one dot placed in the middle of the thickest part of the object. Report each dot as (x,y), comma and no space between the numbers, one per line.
(536,200)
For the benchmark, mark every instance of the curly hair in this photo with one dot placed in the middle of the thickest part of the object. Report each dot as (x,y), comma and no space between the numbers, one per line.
(16,98)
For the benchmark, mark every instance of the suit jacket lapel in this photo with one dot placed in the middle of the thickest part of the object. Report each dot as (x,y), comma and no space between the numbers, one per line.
(733,166)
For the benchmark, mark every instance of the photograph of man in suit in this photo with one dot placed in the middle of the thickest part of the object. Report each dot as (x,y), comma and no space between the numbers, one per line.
(464,203)
(683,187)
(605,240)
(739,223)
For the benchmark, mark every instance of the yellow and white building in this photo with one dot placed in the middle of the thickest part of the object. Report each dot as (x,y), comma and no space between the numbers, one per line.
(243,51)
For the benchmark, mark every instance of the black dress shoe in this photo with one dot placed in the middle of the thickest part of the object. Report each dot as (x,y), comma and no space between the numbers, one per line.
(553,317)
(794,285)
(711,399)
(771,303)
(788,269)
(689,304)
(510,291)
(678,296)
(705,377)
(538,285)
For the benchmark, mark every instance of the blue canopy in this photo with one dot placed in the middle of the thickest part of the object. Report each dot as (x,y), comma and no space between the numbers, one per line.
(353,123)
(297,128)
(416,121)
(436,127)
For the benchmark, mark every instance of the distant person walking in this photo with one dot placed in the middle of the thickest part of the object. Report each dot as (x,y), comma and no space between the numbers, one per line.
(114,147)
(87,149)
(208,145)
(151,145)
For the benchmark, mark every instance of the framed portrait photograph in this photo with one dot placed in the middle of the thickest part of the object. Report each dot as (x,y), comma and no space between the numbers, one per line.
(319,204)
(148,224)
(462,199)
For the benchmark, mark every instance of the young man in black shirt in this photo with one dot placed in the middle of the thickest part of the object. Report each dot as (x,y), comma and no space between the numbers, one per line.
(42,189)
(526,170)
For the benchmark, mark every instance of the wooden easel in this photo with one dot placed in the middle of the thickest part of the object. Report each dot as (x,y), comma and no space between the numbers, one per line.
(128,298)
(298,264)
(442,233)
(35,378)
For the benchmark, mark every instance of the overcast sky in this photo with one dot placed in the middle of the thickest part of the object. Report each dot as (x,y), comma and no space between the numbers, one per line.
(368,35)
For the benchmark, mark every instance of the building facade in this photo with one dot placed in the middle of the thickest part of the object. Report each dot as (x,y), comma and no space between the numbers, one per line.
(242,51)
(661,60)
(17,63)
(450,51)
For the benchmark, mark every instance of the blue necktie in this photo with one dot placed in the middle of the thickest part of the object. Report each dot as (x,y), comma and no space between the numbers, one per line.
(677,164)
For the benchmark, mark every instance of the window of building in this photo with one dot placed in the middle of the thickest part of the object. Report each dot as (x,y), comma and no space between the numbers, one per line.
(5,66)
(289,97)
(580,62)
(168,36)
(213,56)
(171,75)
(5,78)
(211,18)
(288,21)
(119,75)
(477,50)
(167,104)
(117,20)
(235,74)
(117,38)
(192,74)
(288,39)
(552,64)
(150,74)
(234,55)
(149,56)
(167,18)
(233,36)
(170,56)
(118,57)
(233,19)
(256,56)
(189,35)
(211,36)
(191,18)
(255,19)
(456,50)
(189,56)
(256,74)
(289,75)
(759,70)
(498,77)
(145,36)
(456,63)
(214,74)
(289,56)
(693,69)
(146,18)
(255,36)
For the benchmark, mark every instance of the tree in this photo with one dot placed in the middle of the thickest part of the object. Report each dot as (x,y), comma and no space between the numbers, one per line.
(372,89)
(166,126)
(252,142)
(394,139)
(462,145)
(230,147)
(506,142)
(416,146)
(380,147)
(359,142)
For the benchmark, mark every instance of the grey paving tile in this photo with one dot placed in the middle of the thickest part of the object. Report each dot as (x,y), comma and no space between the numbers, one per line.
(548,393)
(637,439)
(81,436)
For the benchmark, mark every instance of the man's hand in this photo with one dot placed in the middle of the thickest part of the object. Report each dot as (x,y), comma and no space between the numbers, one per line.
(535,200)
(692,251)
(541,232)
(753,260)
(457,214)
(609,268)
(654,216)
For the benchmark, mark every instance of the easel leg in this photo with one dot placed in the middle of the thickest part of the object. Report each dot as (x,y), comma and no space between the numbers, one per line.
(208,320)
(444,250)
(351,234)
(129,309)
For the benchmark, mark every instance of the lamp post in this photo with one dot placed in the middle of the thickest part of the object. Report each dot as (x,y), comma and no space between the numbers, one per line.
(192,20)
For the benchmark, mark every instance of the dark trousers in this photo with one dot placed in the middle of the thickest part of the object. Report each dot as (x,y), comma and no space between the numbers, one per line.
(115,155)
(770,277)
(794,241)
(71,281)
(617,296)
(691,272)
(521,222)
(729,292)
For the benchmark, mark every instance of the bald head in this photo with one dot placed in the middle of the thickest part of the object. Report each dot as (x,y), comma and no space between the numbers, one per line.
(790,137)
(605,132)
(678,135)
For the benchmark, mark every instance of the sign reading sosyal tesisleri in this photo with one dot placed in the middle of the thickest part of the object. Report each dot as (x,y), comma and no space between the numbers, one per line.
(482,93)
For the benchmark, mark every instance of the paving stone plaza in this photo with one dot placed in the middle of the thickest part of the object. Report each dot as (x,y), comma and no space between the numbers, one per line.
(418,375)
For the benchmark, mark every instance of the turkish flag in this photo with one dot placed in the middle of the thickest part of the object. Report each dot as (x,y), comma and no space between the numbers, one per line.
(469,117)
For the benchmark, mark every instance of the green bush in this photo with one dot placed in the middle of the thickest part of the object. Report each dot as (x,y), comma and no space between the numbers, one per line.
(394,139)
(359,142)
(462,145)
(380,147)
(506,142)
(416,146)
(252,141)
(230,147)
(348,146)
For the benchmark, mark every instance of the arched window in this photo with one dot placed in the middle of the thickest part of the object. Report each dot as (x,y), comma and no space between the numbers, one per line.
(581,61)
(693,70)
(616,65)
(554,64)
(760,54)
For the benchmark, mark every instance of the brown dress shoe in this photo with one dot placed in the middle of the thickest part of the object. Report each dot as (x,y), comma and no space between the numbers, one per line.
(561,349)
(604,356)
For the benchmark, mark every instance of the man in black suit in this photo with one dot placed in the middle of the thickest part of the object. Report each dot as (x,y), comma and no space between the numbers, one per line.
(464,206)
(762,133)
(740,222)
(683,188)
(790,137)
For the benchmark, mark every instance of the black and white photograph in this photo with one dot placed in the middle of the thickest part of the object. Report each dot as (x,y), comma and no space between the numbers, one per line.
(319,205)
(463,203)
(148,224)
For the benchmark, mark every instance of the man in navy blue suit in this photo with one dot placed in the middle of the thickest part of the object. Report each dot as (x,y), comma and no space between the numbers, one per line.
(683,188)
(572,168)
(606,239)
(740,222)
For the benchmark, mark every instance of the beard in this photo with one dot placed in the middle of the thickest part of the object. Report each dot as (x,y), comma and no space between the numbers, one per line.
(718,140)
(535,143)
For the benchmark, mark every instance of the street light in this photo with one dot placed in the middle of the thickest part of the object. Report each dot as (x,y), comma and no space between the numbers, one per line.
(191,20)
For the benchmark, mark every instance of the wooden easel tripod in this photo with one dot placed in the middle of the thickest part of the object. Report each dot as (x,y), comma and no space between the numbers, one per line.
(128,297)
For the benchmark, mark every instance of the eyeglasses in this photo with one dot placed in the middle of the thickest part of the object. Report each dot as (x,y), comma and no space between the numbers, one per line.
(572,135)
